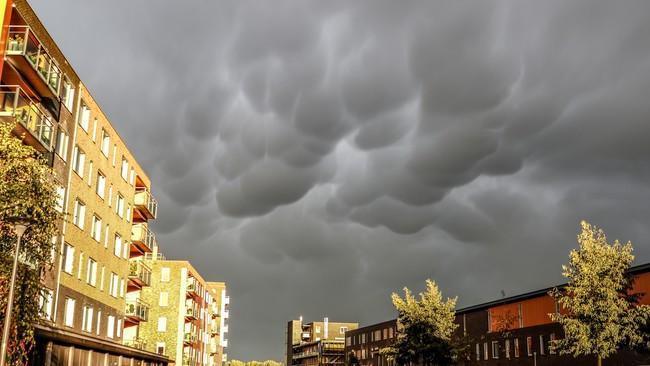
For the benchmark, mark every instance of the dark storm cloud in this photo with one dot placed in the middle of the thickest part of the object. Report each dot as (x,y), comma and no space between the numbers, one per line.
(319,155)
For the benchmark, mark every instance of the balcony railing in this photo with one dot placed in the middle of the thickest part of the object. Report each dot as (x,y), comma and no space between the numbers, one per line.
(137,309)
(22,41)
(189,337)
(16,104)
(225,314)
(138,343)
(191,312)
(142,236)
(140,273)
(226,300)
(145,203)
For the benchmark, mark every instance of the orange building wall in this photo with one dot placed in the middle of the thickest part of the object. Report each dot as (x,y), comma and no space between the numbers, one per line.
(642,284)
(5,17)
(504,317)
(535,311)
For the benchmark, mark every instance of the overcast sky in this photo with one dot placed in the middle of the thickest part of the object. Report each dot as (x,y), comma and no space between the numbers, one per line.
(319,155)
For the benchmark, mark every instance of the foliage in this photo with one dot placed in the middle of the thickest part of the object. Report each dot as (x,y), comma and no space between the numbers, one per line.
(352,360)
(600,316)
(425,328)
(27,190)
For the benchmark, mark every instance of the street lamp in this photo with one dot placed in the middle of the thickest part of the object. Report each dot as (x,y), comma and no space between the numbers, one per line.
(19,228)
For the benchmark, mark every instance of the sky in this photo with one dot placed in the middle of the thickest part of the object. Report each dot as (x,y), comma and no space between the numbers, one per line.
(319,155)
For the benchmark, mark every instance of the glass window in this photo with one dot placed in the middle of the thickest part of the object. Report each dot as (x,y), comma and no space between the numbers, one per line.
(45,303)
(110,326)
(516,343)
(101,184)
(551,344)
(68,94)
(485,351)
(78,161)
(119,205)
(79,214)
(68,258)
(68,319)
(62,144)
(84,117)
(542,351)
(164,274)
(99,321)
(96,228)
(60,198)
(118,245)
(162,324)
(529,346)
(507,348)
(114,284)
(106,143)
(125,169)
(495,349)
(90,173)
(87,319)
(91,272)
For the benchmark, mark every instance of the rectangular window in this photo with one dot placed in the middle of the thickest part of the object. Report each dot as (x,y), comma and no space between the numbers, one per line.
(542,351)
(99,321)
(119,328)
(110,195)
(45,303)
(81,264)
(119,205)
(485,351)
(495,349)
(516,343)
(62,140)
(106,232)
(342,330)
(122,287)
(101,279)
(90,173)
(478,352)
(132,177)
(87,319)
(125,169)
(68,318)
(160,348)
(95,129)
(114,285)
(96,228)
(78,161)
(79,214)
(67,96)
(106,143)
(84,116)
(164,274)
(91,273)
(68,258)
(110,326)
(60,198)
(551,344)
(101,184)
(507,348)
(114,154)
(162,324)
(118,245)
(529,346)
(164,298)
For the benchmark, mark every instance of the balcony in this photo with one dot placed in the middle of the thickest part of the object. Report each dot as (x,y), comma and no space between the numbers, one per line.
(27,53)
(225,328)
(214,329)
(137,343)
(191,313)
(137,310)
(146,207)
(143,238)
(189,338)
(139,274)
(226,300)
(29,116)
(225,314)
(192,289)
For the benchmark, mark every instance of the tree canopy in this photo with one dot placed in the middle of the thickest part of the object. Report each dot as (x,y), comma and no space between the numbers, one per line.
(27,191)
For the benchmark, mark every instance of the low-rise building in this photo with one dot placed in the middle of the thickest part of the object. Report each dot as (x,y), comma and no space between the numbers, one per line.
(317,343)
(366,342)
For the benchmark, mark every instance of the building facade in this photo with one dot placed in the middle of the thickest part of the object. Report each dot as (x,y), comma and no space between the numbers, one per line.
(220,312)
(99,184)
(182,316)
(511,331)
(317,343)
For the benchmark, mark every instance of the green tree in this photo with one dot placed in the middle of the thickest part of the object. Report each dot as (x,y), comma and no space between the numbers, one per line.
(27,190)
(600,316)
(425,328)
(352,360)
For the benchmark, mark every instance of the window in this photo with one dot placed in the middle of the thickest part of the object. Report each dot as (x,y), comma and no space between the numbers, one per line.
(119,328)
(114,285)
(101,184)
(128,213)
(114,154)
(78,161)
(478,352)
(90,173)
(118,245)
(551,344)
(62,140)
(67,96)
(99,321)
(132,177)
(81,264)
(485,351)
(160,348)
(542,351)
(68,318)
(495,349)
(45,303)
(122,287)
(106,143)
(87,319)
(79,214)
(162,324)
(164,298)
(516,343)
(91,273)
(110,326)
(507,348)
(119,205)
(96,228)
(529,346)
(342,330)
(68,258)
(101,279)
(95,123)
(164,274)
(110,195)
(60,198)
(84,117)
(125,169)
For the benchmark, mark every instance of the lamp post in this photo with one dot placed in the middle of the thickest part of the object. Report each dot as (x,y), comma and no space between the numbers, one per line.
(19,229)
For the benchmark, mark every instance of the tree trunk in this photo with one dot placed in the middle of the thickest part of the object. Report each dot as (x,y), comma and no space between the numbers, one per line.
(600,361)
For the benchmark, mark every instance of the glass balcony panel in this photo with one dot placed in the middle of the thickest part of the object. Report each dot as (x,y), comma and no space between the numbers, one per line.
(140,272)
(137,309)
(22,41)
(17,104)
(144,200)
(16,40)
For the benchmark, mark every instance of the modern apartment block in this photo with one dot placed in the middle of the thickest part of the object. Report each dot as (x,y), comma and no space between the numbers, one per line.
(317,343)
(515,330)
(182,318)
(103,191)
(219,324)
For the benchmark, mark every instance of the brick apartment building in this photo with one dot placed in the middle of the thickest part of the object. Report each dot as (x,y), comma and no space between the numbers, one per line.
(187,314)
(511,331)
(102,189)
(319,343)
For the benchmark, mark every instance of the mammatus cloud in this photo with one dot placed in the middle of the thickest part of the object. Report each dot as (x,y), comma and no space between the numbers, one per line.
(320,155)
